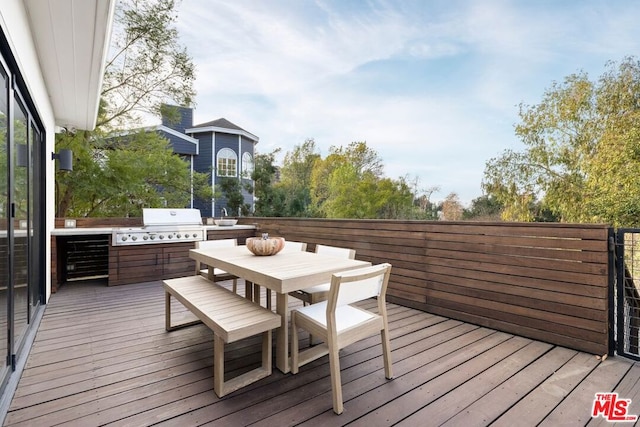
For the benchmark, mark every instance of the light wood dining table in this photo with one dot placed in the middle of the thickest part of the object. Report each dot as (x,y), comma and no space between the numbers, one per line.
(282,273)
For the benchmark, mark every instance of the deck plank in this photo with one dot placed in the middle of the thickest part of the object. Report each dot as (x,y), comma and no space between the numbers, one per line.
(453,402)
(102,357)
(497,401)
(421,388)
(628,388)
(543,399)
(606,377)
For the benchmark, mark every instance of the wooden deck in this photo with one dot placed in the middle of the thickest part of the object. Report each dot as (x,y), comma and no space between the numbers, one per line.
(102,357)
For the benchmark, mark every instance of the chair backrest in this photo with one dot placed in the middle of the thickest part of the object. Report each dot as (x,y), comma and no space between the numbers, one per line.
(208,244)
(336,251)
(221,243)
(290,246)
(356,285)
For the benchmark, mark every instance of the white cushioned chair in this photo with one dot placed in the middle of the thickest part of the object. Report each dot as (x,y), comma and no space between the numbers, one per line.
(218,274)
(340,324)
(319,293)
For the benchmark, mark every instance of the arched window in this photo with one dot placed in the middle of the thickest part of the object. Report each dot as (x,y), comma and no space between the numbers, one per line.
(227,163)
(247,165)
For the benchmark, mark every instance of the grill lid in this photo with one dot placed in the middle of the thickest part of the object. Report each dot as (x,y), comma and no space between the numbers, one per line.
(161,216)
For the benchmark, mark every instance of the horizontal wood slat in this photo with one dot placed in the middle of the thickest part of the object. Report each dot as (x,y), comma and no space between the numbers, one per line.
(544,281)
(520,246)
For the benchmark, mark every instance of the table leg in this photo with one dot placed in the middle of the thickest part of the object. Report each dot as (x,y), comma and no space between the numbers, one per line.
(248,290)
(282,334)
(256,293)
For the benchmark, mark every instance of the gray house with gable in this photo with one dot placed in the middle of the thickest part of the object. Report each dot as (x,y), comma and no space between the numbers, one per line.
(218,147)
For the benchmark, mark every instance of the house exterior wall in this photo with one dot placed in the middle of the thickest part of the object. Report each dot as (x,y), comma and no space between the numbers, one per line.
(16,28)
(180,146)
(224,140)
(185,122)
(210,143)
(202,163)
(211,138)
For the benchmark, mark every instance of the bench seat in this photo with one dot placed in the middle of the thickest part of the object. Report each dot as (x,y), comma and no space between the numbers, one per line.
(231,317)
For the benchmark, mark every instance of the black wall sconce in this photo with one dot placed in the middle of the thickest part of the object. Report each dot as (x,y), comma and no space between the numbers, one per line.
(65,157)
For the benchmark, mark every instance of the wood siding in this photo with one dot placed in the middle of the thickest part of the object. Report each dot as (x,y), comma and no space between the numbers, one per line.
(544,281)
(138,263)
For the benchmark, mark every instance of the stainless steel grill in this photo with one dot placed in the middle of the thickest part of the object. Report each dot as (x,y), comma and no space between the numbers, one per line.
(162,226)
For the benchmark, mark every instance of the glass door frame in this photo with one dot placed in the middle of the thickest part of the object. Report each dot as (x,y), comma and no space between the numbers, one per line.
(35,241)
(9,361)
(36,203)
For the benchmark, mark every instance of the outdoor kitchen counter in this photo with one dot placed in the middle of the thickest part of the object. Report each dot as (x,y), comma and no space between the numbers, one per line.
(119,265)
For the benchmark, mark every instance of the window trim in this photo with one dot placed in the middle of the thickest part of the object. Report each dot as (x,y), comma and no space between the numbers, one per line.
(226,155)
(247,165)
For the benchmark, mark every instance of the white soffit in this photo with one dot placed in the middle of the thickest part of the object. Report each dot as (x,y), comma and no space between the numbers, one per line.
(72,42)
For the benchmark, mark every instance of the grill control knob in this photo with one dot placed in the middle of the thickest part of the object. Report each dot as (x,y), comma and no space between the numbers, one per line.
(153,237)
(170,236)
(195,235)
(134,238)
(145,237)
(178,236)
(124,238)
(161,236)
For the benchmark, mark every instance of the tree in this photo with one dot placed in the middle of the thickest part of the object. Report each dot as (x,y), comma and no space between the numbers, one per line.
(426,209)
(295,179)
(451,208)
(364,159)
(343,167)
(113,175)
(349,183)
(269,198)
(483,208)
(147,64)
(395,199)
(231,190)
(581,158)
(119,177)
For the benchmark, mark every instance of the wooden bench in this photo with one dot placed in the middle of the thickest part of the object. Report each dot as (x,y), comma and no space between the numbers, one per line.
(231,317)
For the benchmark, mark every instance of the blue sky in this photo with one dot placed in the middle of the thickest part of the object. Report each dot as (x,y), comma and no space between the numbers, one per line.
(432,86)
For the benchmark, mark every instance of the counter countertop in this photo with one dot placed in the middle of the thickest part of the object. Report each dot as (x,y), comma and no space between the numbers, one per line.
(81,231)
(229,227)
(108,230)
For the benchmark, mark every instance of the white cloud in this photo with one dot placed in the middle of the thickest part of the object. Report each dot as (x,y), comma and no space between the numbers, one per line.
(432,87)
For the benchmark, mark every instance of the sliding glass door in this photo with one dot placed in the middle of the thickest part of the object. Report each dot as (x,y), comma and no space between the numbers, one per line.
(21,242)
(5,258)
(20,211)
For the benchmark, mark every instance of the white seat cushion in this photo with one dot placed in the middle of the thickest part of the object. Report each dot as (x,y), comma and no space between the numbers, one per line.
(325,287)
(216,272)
(346,315)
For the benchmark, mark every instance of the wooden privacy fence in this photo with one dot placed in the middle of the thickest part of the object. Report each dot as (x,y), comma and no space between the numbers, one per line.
(549,282)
